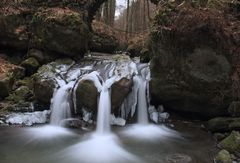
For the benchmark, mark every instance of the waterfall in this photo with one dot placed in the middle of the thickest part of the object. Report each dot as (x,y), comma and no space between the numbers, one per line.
(104,108)
(60,107)
(142,101)
(139,98)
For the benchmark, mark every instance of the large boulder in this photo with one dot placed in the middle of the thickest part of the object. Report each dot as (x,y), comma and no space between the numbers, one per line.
(45,81)
(119,92)
(31,65)
(86,96)
(192,54)
(221,124)
(60,30)
(104,38)
(231,143)
(13,27)
(60,27)
(223,157)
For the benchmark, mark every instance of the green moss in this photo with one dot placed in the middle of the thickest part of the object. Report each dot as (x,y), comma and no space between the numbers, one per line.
(25,82)
(235,125)
(232,142)
(20,95)
(31,65)
(223,124)
(31,61)
(223,157)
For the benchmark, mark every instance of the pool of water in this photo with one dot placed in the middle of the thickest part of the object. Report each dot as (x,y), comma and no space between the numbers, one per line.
(188,143)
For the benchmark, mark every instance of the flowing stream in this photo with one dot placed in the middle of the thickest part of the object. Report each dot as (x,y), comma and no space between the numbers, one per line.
(131,144)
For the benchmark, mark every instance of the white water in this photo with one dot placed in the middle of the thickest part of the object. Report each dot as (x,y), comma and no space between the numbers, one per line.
(101,146)
(104,108)
(60,108)
(142,101)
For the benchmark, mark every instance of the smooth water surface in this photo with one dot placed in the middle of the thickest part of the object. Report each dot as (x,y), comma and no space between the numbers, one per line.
(20,145)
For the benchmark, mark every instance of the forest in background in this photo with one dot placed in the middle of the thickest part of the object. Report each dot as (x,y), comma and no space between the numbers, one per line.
(135,18)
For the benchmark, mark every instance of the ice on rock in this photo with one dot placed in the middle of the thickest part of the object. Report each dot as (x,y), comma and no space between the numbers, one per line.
(28,119)
(117,121)
(154,115)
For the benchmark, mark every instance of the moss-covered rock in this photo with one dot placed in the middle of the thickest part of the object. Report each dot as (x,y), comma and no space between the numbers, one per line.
(37,54)
(103,43)
(223,157)
(45,79)
(13,27)
(58,27)
(232,142)
(31,65)
(61,30)
(27,81)
(223,124)
(20,95)
(192,60)
(86,94)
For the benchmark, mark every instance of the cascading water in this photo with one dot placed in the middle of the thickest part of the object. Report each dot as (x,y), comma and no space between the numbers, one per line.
(143,129)
(104,107)
(142,101)
(103,145)
(60,108)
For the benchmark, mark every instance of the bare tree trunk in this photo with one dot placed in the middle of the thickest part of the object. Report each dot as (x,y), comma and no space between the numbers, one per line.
(105,13)
(112,8)
(99,14)
(148,11)
(127,16)
(144,25)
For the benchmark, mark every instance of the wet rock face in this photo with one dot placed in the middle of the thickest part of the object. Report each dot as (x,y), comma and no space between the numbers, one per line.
(86,96)
(199,83)
(120,90)
(190,72)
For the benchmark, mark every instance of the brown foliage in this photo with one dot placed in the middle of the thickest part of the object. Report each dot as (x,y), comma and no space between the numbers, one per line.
(5,67)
